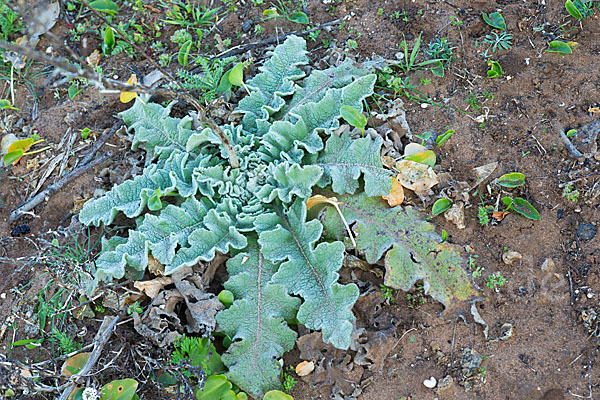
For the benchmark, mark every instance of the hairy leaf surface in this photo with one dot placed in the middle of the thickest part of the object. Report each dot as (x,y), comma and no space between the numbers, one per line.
(256,322)
(412,249)
(310,271)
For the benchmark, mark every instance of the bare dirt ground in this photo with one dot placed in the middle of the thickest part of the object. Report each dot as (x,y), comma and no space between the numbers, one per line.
(551,352)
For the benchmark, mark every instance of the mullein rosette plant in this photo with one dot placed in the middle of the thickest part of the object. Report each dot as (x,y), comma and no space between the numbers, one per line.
(190,203)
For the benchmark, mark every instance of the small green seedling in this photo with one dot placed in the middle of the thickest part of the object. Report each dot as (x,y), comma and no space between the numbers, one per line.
(495,70)
(570,194)
(388,294)
(444,235)
(134,308)
(440,206)
(443,137)
(560,47)
(85,133)
(521,206)
(495,20)
(571,133)
(288,382)
(495,281)
(579,9)
(409,62)
(108,44)
(236,75)
(424,137)
(354,117)
(483,216)
(184,53)
(512,180)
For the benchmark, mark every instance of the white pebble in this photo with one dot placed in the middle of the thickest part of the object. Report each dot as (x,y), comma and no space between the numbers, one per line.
(430,383)
(424,105)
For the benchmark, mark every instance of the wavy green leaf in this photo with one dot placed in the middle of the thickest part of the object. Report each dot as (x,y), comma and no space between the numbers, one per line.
(256,322)
(344,159)
(412,249)
(310,271)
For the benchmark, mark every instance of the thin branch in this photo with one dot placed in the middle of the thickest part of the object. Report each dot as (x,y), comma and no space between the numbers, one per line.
(100,81)
(99,342)
(241,49)
(55,187)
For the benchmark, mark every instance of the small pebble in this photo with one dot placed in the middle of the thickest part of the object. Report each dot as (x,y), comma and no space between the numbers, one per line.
(3,296)
(424,105)
(430,383)
(548,265)
(586,231)
(511,256)
(247,25)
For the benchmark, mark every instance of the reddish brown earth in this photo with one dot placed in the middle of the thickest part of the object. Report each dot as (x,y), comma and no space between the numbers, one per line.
(550,352)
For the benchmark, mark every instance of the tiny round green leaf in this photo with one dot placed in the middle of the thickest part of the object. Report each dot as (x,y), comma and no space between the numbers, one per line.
(226,297)
(12,157)
(299,17)
(277,395)
(512,180)
(440,206)
(443,137)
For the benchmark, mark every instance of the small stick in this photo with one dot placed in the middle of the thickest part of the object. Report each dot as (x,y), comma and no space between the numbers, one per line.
(576,153)
(99,343)
(241,49)
(55,187)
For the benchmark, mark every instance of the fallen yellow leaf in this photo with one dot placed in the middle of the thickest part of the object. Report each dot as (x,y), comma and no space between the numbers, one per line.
(318,199)
(126,97)
(396,196)
(594,110)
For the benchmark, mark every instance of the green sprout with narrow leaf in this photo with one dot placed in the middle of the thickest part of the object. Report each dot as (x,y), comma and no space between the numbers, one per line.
(284,259)
(495,70)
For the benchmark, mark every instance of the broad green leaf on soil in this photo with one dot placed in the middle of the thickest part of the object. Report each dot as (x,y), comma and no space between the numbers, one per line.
(256,322)
(512,180)
(440,206)
(74,364)
(411,247)
(299,17)
(123,389)
(214,388)
(495,20)
(107,6)
(310,271)
(560,47)
(277,395)
(524,208)
(344,159)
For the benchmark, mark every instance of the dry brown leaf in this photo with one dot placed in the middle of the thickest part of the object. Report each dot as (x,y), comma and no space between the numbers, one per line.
(485,171)
(152,287)
(93,59)
(305,368)
(499,215)
(388,162)
(396,196)
(416,176)
(155,267)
